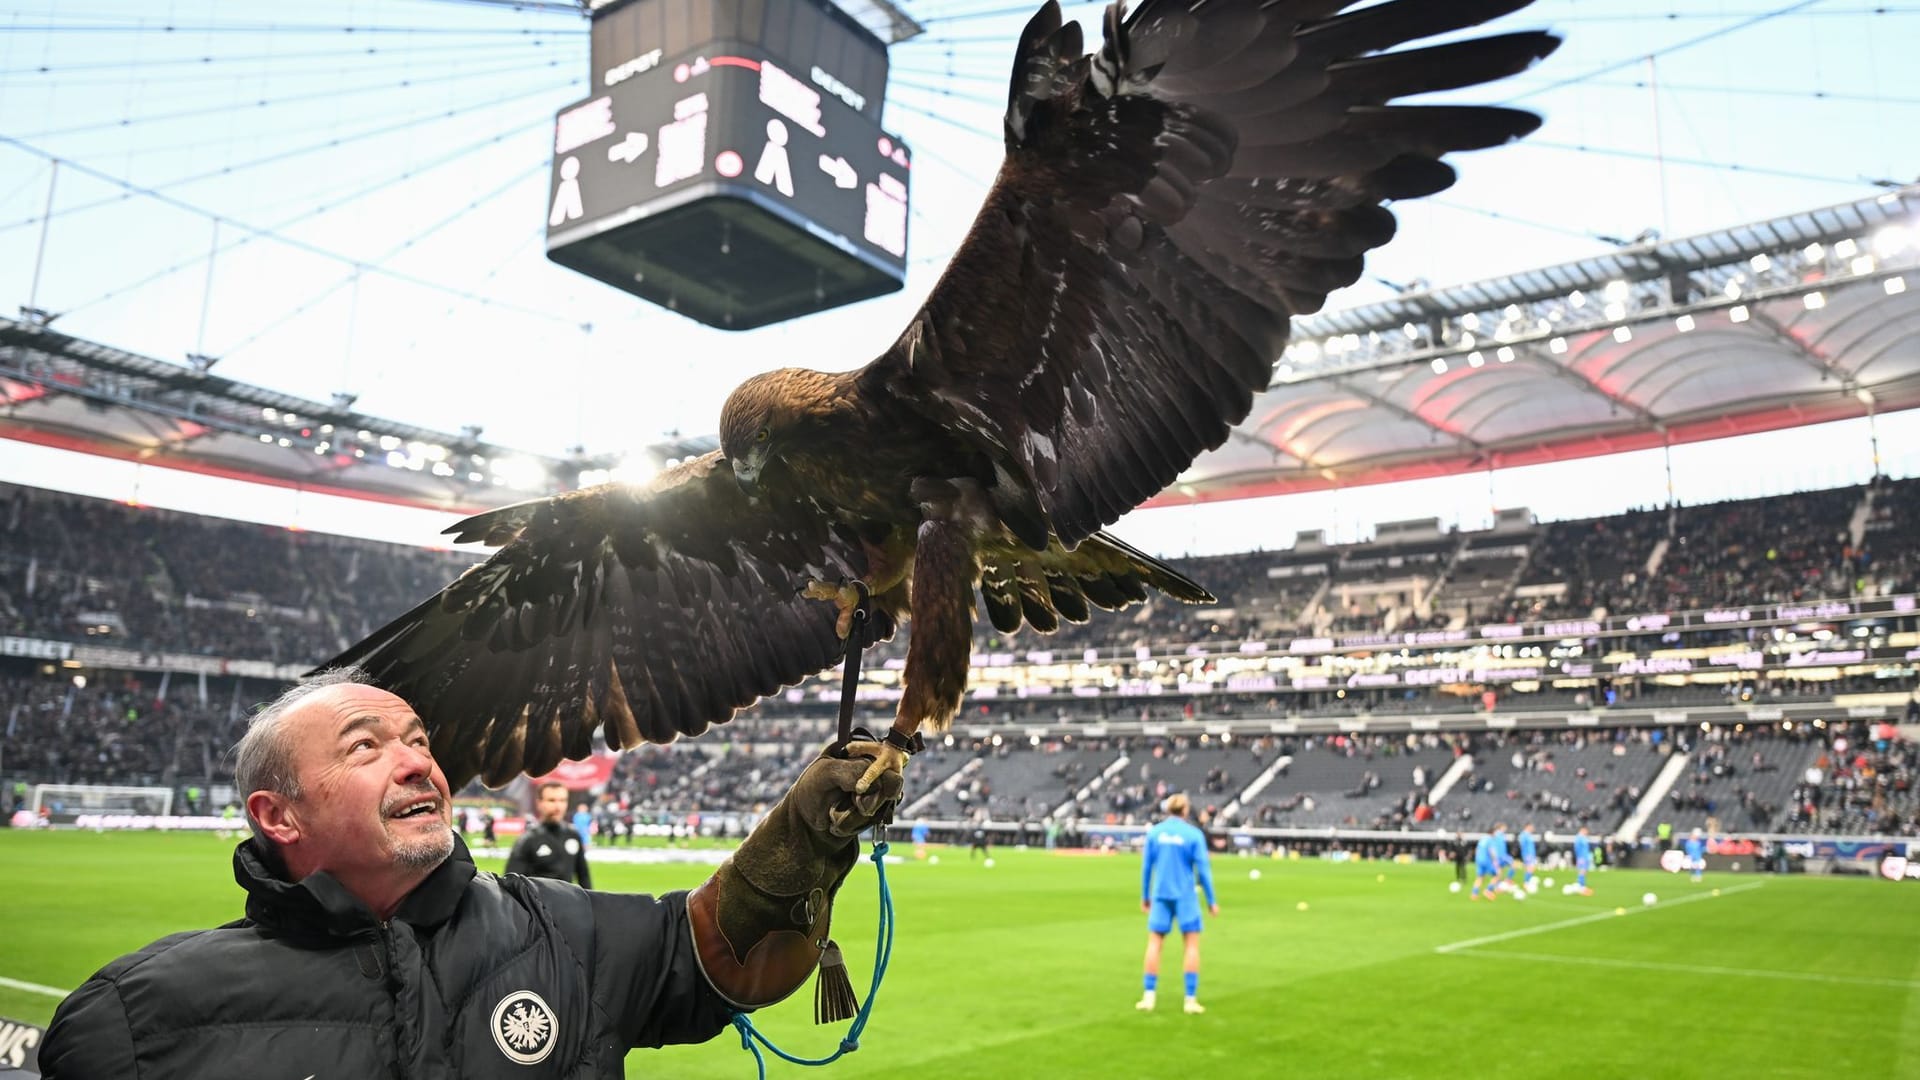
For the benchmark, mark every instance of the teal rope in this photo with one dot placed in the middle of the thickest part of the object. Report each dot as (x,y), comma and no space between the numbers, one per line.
(882,953)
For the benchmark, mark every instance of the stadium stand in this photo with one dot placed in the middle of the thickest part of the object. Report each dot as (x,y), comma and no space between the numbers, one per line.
(1482,575)
(1580,567)
(84,569)
(58,733)
(92,572)
(1890,554)
(1743,781)
(1859,784)
(1019,784)
(1355,782)
(1786,548)
(1556,780)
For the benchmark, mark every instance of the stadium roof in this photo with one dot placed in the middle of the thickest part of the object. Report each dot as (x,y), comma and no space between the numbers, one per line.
(1799,320)
(80,395)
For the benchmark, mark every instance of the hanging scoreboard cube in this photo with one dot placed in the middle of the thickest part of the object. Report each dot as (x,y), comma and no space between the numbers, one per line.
(732,166)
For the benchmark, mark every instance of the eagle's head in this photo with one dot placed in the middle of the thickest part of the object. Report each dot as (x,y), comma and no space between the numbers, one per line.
(771,415)
(750,427)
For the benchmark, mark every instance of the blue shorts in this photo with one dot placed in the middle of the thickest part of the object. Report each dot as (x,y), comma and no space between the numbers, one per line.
(1483,869)
(1583,864)
(1167,912)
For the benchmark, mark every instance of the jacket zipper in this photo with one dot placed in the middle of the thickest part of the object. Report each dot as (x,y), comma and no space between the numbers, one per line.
(393,995)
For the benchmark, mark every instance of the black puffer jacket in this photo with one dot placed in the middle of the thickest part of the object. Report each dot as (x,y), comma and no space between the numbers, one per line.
(474,977)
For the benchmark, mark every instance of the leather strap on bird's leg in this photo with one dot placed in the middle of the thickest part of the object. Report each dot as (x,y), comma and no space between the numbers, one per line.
(760,924)
(905,743)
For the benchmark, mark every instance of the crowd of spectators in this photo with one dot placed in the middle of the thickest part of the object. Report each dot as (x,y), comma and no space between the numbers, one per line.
(88,570)
(82,569)
(119,733)
(1862,782)
(1846,778)
(1600,562)
(1775,550)
(1890,549)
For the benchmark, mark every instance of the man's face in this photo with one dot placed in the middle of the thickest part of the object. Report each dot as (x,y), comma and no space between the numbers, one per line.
(552,805)
(372,800)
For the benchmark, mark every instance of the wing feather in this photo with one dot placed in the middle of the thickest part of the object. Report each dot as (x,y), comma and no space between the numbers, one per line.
(646,613)
(1166,206)
(1048,587)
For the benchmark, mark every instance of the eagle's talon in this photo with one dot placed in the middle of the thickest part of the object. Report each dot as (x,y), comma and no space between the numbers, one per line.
(886,758)
(844,594)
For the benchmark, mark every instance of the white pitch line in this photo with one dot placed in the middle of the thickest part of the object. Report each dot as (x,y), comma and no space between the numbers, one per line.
(33,988)
(1584,919)
(1701,969)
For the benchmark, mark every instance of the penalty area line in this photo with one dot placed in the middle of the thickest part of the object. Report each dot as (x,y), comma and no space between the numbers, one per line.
(1697,969)
(32,988)
(1600,916)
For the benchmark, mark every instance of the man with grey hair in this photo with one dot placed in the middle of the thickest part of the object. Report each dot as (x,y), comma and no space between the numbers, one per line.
(373,947)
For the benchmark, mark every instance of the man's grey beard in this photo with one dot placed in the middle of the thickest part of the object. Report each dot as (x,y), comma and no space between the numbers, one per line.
(424,852)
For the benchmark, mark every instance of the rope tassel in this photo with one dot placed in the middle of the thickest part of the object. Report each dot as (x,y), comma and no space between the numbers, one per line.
(750,1037)
(833,998)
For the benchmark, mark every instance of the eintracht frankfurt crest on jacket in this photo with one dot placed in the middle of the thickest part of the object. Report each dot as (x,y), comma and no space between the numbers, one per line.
(523,1027)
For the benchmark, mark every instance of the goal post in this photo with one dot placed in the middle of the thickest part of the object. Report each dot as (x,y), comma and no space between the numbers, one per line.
(102,799)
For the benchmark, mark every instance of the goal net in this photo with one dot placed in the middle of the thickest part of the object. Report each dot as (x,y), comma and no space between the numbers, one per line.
(102,799)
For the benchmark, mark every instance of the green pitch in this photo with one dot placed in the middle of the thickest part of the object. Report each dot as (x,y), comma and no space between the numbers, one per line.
(1031,968)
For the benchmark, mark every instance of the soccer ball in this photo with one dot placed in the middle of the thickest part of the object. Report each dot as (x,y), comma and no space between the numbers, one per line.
(1253,875)
(1548,883)
(933,860)
(1519,894)
(1534,886)
(1453,886)
(1649,899)
(1569,889)
(1301,906)
(989,862)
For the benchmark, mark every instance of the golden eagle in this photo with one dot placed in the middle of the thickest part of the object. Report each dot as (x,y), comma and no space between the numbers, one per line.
(1165,206)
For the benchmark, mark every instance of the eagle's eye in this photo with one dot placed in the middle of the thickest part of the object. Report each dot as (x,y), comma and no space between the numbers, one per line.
(765,434)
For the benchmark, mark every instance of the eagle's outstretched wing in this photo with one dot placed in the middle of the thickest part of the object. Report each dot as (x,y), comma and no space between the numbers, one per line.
(650,611)
(1165,207)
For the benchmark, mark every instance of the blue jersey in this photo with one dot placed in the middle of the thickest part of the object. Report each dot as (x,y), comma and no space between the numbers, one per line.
(1483,852)
(1527,849)
(1696,847)
(1502,854)
(583,824)
(1176,857)
(1582,849)
(920,831)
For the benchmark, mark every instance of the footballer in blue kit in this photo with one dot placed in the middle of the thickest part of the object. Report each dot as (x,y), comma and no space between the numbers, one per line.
(1175,863)
(1503,855)
(1487,855)
(1529,854)
(1696,852)
(1583,859)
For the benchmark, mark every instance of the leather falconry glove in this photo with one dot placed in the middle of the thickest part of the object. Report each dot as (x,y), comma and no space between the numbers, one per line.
(760,923)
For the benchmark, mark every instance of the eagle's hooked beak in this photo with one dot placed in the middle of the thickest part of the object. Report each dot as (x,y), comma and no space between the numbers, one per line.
(747,475)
